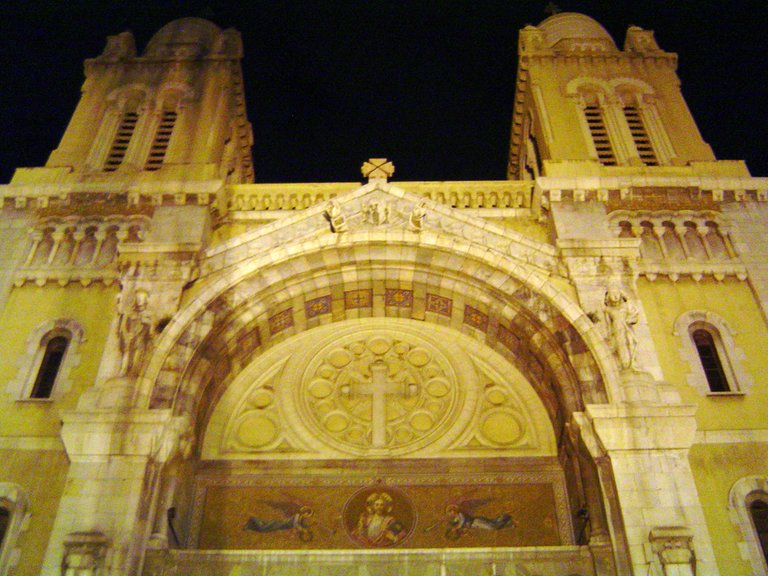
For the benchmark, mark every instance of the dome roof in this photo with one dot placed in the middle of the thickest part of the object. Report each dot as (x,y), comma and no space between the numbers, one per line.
(185,37)
(575,26)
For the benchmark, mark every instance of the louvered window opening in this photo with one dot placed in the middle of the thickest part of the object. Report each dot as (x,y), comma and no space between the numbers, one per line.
(160,143)
(600,135)
(640,136)
(122,140)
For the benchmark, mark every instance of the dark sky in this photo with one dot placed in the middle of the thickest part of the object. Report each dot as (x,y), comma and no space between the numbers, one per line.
(426,83)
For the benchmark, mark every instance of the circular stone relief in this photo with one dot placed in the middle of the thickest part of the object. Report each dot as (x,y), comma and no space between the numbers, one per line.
(502,428)
(390,391)
(256,431)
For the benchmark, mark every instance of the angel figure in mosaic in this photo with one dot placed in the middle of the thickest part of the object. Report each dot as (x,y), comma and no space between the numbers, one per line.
(463,516)
(295,517)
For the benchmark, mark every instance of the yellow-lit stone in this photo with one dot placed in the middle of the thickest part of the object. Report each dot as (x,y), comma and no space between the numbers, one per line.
(257,431)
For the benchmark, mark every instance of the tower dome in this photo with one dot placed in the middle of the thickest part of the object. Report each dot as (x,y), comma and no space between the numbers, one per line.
(571,29)
(185,37)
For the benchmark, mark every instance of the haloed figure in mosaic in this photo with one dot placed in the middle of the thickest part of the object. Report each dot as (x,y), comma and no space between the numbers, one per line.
(376,525)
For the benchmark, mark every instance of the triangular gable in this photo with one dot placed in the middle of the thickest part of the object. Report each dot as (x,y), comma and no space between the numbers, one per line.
(388,210)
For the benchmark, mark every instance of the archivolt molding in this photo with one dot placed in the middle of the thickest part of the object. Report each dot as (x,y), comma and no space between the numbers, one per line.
(267,277)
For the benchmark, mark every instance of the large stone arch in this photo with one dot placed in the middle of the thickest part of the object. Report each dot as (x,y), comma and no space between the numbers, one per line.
(503,288)
(508,298)
(244,319)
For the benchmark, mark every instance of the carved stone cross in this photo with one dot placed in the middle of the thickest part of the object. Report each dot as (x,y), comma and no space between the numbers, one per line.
(378,388)
(377,169)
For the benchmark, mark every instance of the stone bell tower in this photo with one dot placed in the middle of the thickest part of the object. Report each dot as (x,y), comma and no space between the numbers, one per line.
(175,110)
(582,102)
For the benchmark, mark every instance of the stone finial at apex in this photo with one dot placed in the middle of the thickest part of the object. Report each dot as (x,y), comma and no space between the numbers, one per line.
(377,169)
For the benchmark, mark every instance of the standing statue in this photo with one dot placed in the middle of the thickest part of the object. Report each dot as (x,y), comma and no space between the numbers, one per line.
(135,331)
(621,317)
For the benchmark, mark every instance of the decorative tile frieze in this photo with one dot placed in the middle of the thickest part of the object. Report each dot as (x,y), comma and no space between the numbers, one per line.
(280,321)
(317,306)
(398,297)
(474,318)
(508,339)
(439,305)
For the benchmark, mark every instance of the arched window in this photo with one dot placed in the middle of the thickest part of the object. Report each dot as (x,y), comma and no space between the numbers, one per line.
(710,360)
(13,520)
(709,348)
(50,365)
(161,140)
(758,511)
(51,352)
(122,139)
(595,116)
(748,509)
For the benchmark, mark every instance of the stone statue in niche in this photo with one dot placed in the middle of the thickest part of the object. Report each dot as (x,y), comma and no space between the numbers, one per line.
(621,316)
(135,333)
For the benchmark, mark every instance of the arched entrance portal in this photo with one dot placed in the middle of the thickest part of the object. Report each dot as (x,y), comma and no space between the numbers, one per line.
(424,415)
(356,398)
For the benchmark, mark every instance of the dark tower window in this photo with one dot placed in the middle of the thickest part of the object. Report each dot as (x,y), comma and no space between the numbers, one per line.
(710,360)
(122,140)
(599,132)
(759,512)
(161,140)
(49,367)
(640,136)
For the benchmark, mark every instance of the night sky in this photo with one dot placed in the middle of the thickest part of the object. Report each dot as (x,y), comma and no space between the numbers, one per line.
(428,84)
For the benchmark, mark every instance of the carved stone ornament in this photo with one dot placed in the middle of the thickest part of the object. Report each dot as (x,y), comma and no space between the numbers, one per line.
(335,217)
(620,317)
(673,546)
(135,333)
(84,553)
(350,389)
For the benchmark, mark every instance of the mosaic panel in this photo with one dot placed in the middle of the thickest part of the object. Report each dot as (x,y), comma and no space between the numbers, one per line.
(317,306)
(281,321)
(474,318)
(398,297)
(439,305)
(378,516)
(508,338)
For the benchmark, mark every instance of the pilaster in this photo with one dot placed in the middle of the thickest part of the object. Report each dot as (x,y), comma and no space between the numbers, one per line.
(648,449)
(108,489)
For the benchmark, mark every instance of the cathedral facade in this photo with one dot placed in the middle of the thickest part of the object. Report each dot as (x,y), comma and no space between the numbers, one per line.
(560,373)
